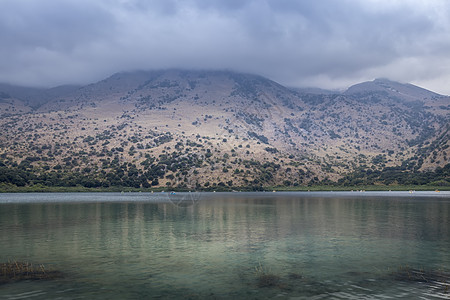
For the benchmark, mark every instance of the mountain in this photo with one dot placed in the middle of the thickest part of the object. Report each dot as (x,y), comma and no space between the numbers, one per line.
(218,129)
(392,89)
(34,97)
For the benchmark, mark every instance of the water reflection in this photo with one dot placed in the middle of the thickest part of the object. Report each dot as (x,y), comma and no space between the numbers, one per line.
(214,245)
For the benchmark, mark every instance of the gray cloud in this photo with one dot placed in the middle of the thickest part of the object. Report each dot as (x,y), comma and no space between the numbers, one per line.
(325,43)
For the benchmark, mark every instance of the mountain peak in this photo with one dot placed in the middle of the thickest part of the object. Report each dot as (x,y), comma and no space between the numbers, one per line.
(383,80)
(393,89)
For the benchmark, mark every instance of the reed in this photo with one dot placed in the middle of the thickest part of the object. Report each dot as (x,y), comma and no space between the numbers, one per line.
(13,271)
(406,273)
(265,278)
(438,278)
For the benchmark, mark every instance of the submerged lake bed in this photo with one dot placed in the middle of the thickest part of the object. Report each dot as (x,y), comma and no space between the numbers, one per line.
(288,245)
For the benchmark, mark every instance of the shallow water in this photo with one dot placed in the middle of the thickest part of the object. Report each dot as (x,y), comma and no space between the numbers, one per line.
(348,245)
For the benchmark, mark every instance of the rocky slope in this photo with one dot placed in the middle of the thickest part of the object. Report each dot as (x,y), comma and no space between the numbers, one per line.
(203,129)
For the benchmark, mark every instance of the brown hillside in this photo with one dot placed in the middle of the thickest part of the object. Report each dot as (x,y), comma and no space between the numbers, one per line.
(206,128)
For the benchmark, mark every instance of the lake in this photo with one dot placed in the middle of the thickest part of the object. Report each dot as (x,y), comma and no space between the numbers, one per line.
(293,245)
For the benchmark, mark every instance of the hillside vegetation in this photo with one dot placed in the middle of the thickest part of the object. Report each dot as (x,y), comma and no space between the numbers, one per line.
(218,129)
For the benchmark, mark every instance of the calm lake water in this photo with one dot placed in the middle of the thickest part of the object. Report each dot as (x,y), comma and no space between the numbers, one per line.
(347,245)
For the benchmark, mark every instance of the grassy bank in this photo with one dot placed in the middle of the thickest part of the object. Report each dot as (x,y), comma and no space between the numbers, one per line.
(363,188)
(8,188)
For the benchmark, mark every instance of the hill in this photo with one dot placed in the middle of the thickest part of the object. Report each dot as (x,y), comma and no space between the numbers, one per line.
(211,129)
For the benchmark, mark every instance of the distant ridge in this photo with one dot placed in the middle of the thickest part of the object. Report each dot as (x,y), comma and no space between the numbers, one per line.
(317,91)
(403,91)
(129,79)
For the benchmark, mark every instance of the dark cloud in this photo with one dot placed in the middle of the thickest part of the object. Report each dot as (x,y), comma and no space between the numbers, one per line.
(326,43)
(52,24)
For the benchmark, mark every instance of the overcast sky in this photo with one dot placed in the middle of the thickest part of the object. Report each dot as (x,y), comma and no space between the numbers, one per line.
(324,43)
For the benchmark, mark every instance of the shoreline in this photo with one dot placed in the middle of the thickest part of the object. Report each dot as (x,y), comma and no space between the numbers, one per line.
(79,189)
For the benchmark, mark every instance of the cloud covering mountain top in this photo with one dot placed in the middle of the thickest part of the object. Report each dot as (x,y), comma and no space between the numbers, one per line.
(328,44)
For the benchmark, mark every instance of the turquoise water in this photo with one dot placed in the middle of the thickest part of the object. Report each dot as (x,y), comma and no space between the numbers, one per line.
(217,245)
